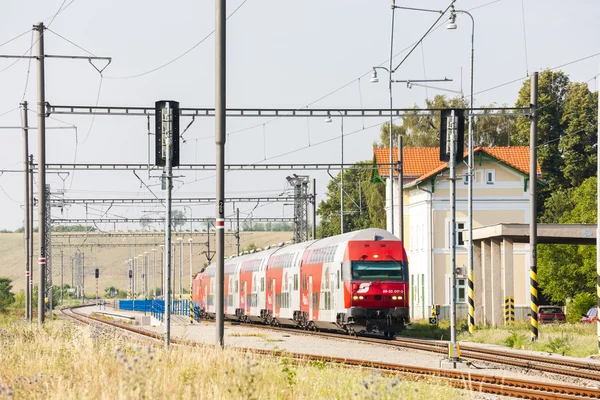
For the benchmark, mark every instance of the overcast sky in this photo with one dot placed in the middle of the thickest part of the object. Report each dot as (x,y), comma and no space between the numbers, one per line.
(281,54)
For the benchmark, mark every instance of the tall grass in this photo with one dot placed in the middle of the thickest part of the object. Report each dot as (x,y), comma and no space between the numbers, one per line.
(577,340)
(63,361)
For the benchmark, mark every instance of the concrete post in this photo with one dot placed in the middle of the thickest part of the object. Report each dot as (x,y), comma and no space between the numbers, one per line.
(497,293)
(478,282)
(486,287)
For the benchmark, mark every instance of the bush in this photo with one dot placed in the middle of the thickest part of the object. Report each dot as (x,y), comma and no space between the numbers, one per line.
(6,297)
(516,340)
(581,303)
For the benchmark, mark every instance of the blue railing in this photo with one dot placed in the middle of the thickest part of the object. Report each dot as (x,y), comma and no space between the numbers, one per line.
(155,307)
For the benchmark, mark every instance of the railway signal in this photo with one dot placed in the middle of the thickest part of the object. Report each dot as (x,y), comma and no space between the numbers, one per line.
(97,274)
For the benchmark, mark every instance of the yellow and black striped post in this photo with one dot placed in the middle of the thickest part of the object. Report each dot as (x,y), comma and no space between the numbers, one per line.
(471,304)
(533,284)
(191,306)
(509,310)
(534,302)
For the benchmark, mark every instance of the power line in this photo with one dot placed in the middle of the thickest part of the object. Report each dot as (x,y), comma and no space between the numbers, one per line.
(354,80)
(524,37)
(28,69)
(15,38)
(73,43)
(179,56)
(58,12)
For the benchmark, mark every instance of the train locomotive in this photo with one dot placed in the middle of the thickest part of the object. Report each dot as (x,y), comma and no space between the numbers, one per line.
(356,282)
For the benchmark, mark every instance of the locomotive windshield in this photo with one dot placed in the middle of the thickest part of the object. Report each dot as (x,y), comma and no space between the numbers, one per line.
(379,270)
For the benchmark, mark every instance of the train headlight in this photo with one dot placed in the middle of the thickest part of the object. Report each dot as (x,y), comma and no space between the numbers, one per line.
(360,297)
(394,297)
(355,297)
(399,297)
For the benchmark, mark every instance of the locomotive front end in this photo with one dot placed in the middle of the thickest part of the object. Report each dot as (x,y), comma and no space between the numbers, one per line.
(376,287)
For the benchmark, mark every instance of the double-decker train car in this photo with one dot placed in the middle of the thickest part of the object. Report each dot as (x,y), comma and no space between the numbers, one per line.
(356,282)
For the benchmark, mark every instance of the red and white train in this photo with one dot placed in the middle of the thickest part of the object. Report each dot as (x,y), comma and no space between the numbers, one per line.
(356,282)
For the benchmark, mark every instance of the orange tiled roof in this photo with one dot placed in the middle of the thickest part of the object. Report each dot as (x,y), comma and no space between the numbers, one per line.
(417,160)
(424,162)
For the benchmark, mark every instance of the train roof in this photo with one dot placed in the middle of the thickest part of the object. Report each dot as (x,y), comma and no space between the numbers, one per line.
(363,234)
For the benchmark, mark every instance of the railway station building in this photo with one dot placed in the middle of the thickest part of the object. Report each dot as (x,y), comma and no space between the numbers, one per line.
(500,196)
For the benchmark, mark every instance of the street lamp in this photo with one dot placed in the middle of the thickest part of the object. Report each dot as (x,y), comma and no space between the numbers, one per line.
(452,25)
(374,79)
(154,275)
(191,278)
(328,120)
(180,266)
(163,280)
(146,273)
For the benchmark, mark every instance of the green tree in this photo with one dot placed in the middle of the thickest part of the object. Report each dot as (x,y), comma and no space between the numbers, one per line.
(6,296)
(566,270)
(494,129)
(364,202)
(552,91)
(420,131)
(580,121)
(178,219)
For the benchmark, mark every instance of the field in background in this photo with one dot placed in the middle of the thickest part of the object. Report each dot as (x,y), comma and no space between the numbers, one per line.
(111,260)
(74,362)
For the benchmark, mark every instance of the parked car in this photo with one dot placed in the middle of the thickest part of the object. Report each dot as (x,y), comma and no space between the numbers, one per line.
(591,316)
(549,314)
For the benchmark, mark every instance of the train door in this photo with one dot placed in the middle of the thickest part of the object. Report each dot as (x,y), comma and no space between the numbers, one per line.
(247,297)
(274,294)
(310,298)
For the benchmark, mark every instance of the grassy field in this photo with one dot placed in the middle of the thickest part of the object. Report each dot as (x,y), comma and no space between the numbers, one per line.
(73,362)
(577,340)
(111,260)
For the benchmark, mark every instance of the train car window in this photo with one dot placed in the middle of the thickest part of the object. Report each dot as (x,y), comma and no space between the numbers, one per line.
(262,284)
(237,286)
(364,270)
(338,278)
(295,281)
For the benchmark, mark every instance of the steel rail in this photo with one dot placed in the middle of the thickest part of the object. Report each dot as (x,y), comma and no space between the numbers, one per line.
(464,380)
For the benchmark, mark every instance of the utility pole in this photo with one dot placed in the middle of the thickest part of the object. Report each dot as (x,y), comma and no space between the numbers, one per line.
(82,272)
(598,226)
(533,206)
(452,131)
(220,121)
(237,231)
(314,209)
(167,131)
(181,268)
(400,191)
(191,287)
(41,111)
(62,270)
(26,223)
(31,234)
(154,276)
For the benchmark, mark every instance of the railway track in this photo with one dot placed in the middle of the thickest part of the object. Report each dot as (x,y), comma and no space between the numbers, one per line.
(465,380)
(557,365)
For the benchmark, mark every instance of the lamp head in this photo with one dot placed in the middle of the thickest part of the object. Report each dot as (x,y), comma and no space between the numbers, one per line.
(328,119)
(374,78)
(452,19)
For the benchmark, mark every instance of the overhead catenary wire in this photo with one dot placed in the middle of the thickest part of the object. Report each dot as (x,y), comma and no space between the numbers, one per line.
(16,37)
(524,37)
(57,12)
(179,56)
(354,80)
(28,69)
